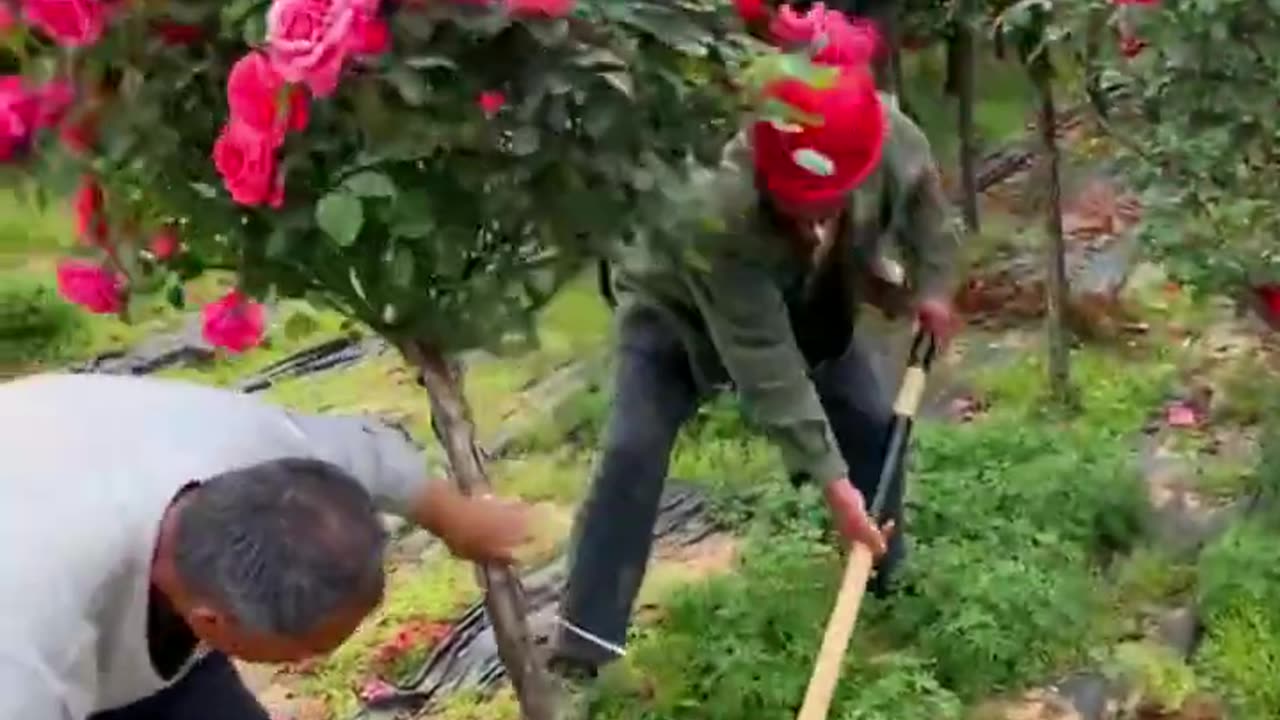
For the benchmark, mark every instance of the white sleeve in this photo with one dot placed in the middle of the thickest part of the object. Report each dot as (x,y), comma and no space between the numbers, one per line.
(381,458)
(25,694)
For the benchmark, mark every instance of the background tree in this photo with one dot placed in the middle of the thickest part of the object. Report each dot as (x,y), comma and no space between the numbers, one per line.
(1198,131)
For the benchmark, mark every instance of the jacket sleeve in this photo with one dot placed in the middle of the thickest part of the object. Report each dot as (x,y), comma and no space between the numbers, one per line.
(929,234)
(747,320)
(925,224)
(384,460)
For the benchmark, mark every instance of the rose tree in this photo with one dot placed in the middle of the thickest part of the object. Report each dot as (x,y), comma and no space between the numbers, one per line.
(435,170)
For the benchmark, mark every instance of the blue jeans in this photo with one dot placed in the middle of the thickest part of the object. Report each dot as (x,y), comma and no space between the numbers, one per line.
(654,394)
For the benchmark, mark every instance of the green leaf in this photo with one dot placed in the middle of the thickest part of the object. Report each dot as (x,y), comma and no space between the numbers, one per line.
(341,215)
(370,183)
(402,268)
(300,325)
(409,84)
(205,190)
(176,297)
(620,81)
(524,141)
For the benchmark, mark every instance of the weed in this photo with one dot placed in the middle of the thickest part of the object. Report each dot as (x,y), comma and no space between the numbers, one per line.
(1157,672)
(474,706)
(1239,591)
(742,646)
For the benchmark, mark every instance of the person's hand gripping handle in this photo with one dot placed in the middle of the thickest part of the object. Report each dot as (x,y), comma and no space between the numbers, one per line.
(835,641)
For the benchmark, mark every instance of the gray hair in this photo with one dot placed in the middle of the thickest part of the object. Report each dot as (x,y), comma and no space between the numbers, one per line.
(281,545)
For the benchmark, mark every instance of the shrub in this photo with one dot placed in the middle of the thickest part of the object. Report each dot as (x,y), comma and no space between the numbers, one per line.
(36,326)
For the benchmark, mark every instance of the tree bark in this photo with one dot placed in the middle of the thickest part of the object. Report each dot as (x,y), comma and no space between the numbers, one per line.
(1056,291)
(504,597)
(963,74)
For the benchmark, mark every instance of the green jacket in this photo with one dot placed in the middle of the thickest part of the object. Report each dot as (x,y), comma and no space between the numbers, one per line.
(739,295)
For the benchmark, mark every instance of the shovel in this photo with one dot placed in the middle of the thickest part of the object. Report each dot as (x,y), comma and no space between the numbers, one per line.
(835,641)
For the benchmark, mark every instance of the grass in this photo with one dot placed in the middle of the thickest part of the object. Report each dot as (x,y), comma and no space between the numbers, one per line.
(1041,504)
(37,329)
(1239,591)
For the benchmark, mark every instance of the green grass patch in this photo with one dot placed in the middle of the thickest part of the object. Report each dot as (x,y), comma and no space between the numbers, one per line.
(28,231)
(1014,521)
(37,328)
(1239,593)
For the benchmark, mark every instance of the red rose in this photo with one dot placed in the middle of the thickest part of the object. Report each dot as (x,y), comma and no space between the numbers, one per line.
(752,12)
(177,34)
(234,322)
(254,96)
(91,286)
(70,23)
(246,160)
(539,8)
(370,36)
(56,99)
(8,20)
(91,215)
(79,135)
(1132,46)
(491,101)
(164,244)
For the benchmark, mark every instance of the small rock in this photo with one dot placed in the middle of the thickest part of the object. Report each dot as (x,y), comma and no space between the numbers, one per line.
(1179,629)
(1089,694)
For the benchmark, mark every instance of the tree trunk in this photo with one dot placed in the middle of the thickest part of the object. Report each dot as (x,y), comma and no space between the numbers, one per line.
(1056,292)
(504,597)
(962,74)
(1096,27)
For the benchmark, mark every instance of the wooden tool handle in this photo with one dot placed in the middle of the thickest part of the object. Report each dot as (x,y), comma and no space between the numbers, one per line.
(826,671)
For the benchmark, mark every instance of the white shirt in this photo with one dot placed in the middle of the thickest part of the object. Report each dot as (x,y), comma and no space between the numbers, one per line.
(88,466)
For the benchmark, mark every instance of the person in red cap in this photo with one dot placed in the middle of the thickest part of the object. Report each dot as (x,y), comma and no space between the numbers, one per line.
(787,234)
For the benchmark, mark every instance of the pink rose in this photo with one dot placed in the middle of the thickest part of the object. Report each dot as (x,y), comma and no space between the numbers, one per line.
(247,162)
(309,40)
(19,112)
(491,101)
(91,214)
(258,97)
(235,322)
(92,286)
(164,244)
(70,23)
(8,20)
(539,8)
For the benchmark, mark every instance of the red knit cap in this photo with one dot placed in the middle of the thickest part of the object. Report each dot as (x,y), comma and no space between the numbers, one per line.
(803,164)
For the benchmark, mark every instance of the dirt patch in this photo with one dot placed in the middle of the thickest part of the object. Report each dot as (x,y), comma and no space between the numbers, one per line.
(1035,705)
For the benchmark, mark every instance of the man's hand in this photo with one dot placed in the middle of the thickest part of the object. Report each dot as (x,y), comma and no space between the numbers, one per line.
(480,529)
(849,510)
(938,318)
